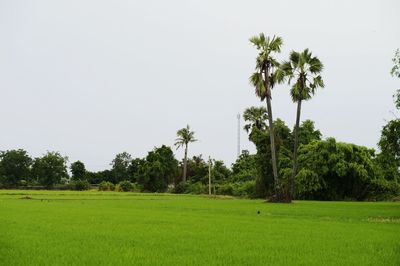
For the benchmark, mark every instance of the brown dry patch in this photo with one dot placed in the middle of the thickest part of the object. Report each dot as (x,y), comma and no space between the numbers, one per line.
(26,197)
(385,220)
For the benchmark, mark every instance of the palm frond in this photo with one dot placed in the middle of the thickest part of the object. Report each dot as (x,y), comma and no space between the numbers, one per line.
(294,58)
(275,44)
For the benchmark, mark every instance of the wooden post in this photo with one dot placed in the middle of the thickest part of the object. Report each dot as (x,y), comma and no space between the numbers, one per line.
(209,176)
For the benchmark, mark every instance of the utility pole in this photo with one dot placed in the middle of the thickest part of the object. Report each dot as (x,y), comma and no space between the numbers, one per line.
(238,136)
(209,176)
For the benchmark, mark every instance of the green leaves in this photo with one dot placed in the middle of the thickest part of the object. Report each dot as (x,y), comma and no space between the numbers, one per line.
(395,71)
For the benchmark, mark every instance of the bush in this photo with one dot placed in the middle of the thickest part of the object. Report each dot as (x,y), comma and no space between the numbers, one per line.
(244,189)
(124,186)
(182,188)
(80,185)
(190,188)
(224,189)
(106,186)
(381,189)
(197,188)
(238,189)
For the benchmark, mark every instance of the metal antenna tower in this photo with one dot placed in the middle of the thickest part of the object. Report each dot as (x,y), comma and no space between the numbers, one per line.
(238,135)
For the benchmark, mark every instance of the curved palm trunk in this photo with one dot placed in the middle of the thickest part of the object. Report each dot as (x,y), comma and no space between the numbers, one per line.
(296,144)
(185,164)
(272,137)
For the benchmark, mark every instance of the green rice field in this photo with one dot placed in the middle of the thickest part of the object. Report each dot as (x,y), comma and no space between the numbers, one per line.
(114,228)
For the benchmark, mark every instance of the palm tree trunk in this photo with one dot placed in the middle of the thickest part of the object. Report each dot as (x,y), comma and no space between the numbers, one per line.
(185,164)
(273,150)
(272,136)
(296,144)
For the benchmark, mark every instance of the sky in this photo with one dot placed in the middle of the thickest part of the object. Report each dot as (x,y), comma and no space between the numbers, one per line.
(91,79)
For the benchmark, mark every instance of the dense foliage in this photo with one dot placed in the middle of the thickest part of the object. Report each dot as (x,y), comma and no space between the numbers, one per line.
(50,169)
(14,167)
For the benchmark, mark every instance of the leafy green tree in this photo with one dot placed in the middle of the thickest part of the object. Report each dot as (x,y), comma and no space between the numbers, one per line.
(219,171)
(263,80)
(335,171)
(396,64)
(78,170)
(308,133)
(159,169)
(389,157)
(120,167)
(50,168)
(245,168)
(303,69)
(265,180)
(14,167)
(197,169)
(185,136)
(100,176)
(134,168)
(389,144)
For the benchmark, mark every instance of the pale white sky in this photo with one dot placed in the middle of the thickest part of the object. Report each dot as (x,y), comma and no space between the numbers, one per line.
(94,78)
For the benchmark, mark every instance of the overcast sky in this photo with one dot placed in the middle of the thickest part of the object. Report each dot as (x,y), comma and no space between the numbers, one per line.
(93,78)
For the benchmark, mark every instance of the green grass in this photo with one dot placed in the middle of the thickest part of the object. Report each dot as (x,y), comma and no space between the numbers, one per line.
(93,228)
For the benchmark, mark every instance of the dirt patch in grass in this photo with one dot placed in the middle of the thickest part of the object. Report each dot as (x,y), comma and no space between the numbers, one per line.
(26,197)
(386,220)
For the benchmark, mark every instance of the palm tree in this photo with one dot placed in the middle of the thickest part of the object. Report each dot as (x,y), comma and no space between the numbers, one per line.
(263,79)
(304,69)
(256,116)
(185,136)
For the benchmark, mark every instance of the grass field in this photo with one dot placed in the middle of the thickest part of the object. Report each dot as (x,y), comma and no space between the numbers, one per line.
(93,228)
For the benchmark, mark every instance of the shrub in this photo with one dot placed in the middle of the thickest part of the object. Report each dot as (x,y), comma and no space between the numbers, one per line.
(381,189)
(124,186)
(80,185)
(197,188)
(106,186)
(224,189)
(182,188)
(244,189)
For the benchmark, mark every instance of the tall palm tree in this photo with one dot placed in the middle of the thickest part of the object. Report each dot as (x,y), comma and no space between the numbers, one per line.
(256,117)
(185,136)
(304,70)
(263,80)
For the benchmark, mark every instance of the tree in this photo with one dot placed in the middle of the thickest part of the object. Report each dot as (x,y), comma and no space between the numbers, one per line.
(265,186)
(219,171)
(50,168)
(389,144)
(331,170)
(256,117)
(120,167)
(134,168)
(159,169)
(395,72)
(263,79)
(78,170)
(245,168)
(308,133)
(303,69)
(185,136)
(197,169)
(14,167)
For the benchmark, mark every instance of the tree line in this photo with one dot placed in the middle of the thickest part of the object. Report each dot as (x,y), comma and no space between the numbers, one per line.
(289,163)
